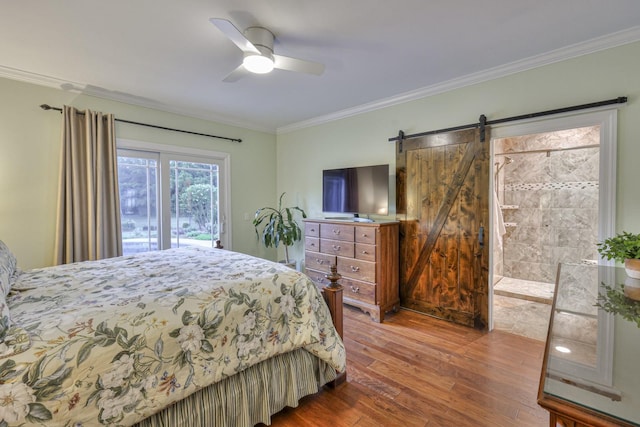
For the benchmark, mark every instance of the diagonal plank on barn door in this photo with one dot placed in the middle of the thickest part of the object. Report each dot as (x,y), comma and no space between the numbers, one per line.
(442,205)
(443,213)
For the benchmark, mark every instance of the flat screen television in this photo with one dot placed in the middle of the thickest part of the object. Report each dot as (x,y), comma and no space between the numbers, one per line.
(360,190)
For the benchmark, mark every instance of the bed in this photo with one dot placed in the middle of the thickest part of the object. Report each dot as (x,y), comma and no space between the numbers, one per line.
(180,337)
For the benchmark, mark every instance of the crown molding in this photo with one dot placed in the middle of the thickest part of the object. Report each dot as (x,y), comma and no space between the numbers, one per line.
(594,45)
(86,89)
(579,49)
(34,78)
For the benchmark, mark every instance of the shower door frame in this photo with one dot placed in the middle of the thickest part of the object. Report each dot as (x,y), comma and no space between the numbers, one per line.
(607,119)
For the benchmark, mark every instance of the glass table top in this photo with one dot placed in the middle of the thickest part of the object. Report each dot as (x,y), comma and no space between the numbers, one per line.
(593,347)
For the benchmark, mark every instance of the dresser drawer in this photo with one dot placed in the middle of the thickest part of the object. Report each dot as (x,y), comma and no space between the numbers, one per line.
(318,277)
(318,261)
(357,269)
(311,229)
(337,247)
(337,232)
(312,244)
(362,291)
(365,235)
(365,252)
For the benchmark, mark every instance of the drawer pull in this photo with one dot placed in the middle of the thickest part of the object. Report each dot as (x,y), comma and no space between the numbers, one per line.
(355,289)
(320,261)
(364,235)
(336,247)
(313,230)
(336,231)
(354,269)
(365,252)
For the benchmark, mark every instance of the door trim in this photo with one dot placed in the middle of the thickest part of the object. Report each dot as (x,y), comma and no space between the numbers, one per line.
(607,119)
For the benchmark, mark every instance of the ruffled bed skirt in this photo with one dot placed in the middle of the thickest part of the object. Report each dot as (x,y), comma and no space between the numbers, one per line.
(251,396)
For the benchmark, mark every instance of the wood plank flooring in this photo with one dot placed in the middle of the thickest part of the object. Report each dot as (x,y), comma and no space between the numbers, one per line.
(414,370)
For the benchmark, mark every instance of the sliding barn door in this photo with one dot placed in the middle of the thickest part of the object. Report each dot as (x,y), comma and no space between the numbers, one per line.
(442,204)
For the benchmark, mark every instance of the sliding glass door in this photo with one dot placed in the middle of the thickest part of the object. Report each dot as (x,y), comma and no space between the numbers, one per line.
(138,179)
(170,200)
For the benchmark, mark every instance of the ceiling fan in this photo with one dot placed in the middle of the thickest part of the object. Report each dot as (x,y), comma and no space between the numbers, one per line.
(257,45)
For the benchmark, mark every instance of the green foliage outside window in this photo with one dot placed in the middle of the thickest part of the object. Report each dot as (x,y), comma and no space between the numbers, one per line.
(195,202)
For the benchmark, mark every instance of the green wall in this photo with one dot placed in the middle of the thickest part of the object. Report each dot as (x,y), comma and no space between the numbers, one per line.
(30,140)
(362,139)
(265,165)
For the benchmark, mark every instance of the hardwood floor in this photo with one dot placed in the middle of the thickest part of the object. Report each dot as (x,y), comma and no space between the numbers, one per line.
(414,370)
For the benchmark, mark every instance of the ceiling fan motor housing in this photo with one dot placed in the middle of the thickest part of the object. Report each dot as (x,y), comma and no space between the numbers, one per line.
(261,38)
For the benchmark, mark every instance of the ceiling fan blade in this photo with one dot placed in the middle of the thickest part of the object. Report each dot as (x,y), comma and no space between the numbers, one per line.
(236,74)
(298,65)
(234,34)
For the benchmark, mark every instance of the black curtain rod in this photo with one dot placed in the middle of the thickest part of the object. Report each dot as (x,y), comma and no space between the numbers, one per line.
(619,100)
(48,107)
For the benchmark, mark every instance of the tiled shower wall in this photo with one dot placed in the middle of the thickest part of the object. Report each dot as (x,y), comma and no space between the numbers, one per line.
(552,202)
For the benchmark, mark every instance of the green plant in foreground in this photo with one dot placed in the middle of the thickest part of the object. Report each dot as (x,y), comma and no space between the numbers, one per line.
(280,226)
(620,247)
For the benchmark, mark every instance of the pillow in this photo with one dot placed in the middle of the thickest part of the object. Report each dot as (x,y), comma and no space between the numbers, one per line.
(5,320)
(8,265)
(13,338)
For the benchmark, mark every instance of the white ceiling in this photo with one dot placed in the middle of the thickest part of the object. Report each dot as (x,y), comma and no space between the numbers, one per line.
(167,55)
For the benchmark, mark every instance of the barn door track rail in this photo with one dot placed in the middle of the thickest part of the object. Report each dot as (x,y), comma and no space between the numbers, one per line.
(482,121)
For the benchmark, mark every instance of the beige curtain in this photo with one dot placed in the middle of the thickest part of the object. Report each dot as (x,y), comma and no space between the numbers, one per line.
(88,226)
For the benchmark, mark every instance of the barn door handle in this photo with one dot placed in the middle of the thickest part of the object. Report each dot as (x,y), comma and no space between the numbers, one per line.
(481,236)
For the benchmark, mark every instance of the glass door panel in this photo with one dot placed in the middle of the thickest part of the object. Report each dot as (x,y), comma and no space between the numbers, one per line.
(138,182)
(194,203)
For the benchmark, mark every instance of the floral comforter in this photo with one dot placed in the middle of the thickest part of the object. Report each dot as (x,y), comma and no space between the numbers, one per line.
(114,341)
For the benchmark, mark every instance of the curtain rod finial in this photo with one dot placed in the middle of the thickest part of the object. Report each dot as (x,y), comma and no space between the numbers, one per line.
(45,107)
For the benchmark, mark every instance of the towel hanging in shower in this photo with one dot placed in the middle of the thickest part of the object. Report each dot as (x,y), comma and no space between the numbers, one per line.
(498,222)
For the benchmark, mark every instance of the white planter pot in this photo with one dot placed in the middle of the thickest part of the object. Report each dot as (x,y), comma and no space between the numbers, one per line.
(632,267)
(291,265)
(632,288)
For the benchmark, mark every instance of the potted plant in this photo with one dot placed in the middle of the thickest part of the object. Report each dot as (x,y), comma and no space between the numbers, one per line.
(624,248)
(278,225)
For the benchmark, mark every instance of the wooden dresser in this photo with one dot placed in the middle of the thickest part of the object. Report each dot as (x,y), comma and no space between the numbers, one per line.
(367,257)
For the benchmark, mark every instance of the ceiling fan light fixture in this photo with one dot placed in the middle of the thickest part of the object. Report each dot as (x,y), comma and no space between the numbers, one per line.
(258,64)
(257,45)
